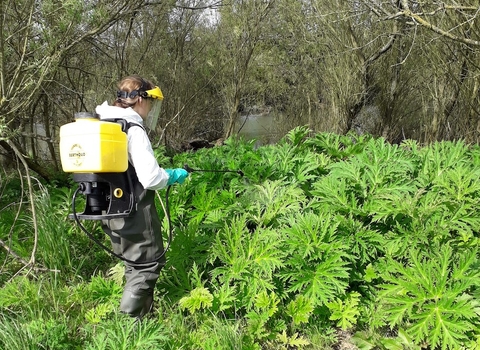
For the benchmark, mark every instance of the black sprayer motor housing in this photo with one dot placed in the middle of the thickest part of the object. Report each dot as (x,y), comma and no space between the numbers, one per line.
(108,195)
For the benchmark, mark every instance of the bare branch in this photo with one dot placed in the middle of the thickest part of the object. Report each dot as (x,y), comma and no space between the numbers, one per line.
(215,5)
(12,253)
(32,201)
(418,19)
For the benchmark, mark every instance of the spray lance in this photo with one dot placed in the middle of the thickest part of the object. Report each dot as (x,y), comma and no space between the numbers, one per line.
(96,152)
(191,170)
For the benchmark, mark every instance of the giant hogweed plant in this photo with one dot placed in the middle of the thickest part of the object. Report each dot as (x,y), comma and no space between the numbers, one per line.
(316,226)
(450,177)
(390,189)
(292,159)
(433,296)
(369,191)
(248,260)
(440,157)
(458,190)
(356,185)
(316,260)
(302,264)
(416,199)
(265,204)
(380,200)
(336,146)
(211,199)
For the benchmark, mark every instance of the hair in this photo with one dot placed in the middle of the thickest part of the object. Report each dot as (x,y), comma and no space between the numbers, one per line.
(128,84)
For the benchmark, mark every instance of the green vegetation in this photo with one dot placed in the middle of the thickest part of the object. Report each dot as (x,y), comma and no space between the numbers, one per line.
(325,235)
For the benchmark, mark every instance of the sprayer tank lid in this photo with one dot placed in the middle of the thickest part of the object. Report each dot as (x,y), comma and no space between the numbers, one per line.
(86,115)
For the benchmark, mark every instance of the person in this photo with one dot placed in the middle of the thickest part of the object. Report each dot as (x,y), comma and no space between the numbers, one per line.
(138,238)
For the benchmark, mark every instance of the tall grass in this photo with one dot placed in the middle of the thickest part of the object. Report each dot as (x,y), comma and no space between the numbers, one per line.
(55,232)
(62,247)
(123,332)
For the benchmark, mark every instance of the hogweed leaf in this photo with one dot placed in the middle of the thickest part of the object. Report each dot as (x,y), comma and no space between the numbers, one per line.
(300,309)
(285,158)
(317,263)
(406,341)
(224,297)
(338,146)
(271,200)
(345,311)
(215,218)
(294,341)
(256,323)
(267,302)
(364,341)
(307,170)
(441,156)
(247,260)
(370,273)
(306,234)
(117,273)
(334,194)
(365,244)
(297,135)
(460,183)
(432,297)
(229,243)
(322,282)
(198,298)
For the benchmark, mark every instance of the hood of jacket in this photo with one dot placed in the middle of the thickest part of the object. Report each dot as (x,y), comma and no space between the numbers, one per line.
(106,112)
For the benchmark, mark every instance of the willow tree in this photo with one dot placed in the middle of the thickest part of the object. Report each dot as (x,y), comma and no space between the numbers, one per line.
(191,106)
(451,38)
(239,33)
(41,45)
(423,73)
(405,68)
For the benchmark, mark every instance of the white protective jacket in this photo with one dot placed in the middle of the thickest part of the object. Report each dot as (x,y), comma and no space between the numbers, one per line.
(140,152)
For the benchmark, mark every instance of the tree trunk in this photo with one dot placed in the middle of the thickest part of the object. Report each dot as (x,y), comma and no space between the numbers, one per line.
(10,153)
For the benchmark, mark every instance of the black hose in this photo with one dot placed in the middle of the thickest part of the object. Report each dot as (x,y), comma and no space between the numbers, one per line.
(108,250)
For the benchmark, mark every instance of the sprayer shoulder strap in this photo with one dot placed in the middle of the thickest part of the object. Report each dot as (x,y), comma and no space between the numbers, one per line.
(125,124)
(130,124)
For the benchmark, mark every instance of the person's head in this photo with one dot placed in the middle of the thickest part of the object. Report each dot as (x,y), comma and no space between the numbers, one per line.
(142,96)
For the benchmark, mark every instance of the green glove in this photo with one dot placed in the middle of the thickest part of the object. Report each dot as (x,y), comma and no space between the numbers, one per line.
(176,175)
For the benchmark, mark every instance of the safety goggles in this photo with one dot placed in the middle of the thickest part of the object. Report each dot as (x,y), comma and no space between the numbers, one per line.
(154,93)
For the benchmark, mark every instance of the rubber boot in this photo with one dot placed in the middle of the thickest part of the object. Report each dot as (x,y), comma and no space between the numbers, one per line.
(136,304)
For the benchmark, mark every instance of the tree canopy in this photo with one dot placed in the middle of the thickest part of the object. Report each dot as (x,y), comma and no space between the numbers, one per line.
(396,69)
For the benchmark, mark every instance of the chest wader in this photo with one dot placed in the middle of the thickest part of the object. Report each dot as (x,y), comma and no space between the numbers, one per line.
(96,152)
(138,238)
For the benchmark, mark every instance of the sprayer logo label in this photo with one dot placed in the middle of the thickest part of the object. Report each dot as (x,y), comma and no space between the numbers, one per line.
(76,155)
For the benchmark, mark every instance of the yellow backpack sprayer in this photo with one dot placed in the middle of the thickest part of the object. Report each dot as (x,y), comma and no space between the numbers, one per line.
(96,152)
